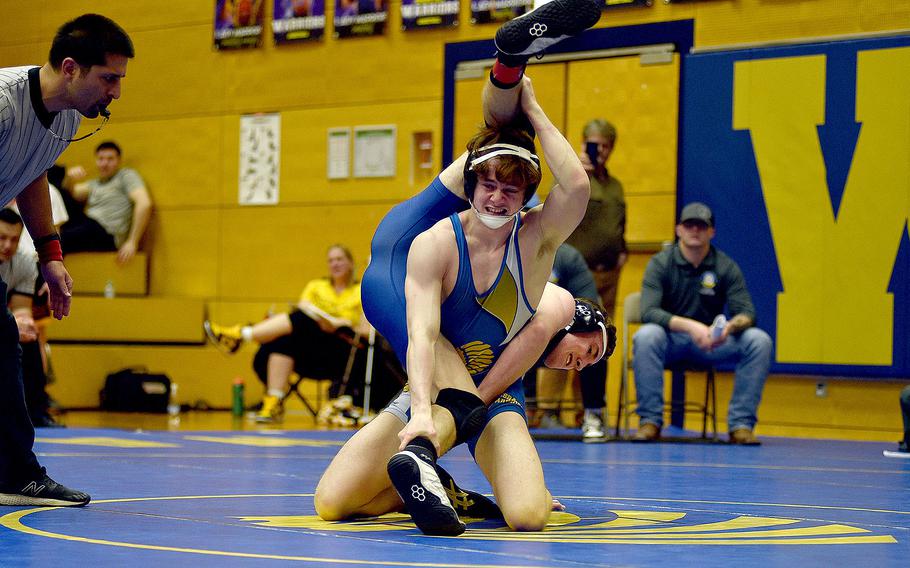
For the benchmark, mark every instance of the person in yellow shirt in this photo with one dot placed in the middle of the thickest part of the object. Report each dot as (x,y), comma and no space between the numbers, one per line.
(312,340)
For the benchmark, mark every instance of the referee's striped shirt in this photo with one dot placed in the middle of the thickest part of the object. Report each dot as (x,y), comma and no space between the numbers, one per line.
(27,147)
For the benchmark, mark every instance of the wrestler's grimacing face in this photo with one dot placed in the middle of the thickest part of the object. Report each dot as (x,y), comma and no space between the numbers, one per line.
(494,197)
(576,351)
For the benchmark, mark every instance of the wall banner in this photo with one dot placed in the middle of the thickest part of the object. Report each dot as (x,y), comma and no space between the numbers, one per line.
(354,18)
(486,11)
(803,153)
(298,20)
(238,23)
(420,14)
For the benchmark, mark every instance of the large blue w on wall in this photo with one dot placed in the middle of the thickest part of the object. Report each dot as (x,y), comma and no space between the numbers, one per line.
(803,153)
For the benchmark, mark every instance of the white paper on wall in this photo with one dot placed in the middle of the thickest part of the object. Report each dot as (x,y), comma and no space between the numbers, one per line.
(260,152)
(339,153)
(374,151)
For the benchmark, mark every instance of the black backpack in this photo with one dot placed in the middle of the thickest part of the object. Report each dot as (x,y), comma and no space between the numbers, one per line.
(136,390)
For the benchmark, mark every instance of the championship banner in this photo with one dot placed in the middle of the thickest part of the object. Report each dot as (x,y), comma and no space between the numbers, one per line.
(624,3)
(486,11)
(356,18)
(803,154)
(419,14)
(298,20)
(238,23)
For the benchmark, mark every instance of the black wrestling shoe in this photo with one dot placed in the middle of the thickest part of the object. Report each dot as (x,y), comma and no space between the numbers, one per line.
(43,492)
(467,503)
(529,34)
(418,486)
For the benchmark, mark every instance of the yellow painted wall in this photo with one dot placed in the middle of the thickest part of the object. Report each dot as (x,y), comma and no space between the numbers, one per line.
(178,123)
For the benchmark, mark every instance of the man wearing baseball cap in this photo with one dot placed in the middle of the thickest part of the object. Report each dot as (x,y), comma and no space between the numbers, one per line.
(689,291)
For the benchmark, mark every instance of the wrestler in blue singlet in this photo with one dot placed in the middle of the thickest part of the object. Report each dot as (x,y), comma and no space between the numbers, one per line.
(382,284)
(478,325)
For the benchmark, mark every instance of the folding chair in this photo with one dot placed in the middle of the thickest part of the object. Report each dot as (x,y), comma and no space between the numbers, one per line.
(678,406)
(295,381)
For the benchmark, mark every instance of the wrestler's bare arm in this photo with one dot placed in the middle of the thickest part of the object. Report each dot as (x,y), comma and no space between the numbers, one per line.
(566,203)
(427,262)
(554,312)
(453,176)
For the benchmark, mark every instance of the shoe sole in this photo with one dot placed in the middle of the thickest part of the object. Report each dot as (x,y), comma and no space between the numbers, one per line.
(267,420)
(593,437)
(895,454)
(645,440)
(15,500)
(419,487)
(549,24)
(215,341)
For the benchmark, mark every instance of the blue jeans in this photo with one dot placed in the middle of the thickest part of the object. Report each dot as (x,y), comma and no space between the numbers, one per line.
(655,348)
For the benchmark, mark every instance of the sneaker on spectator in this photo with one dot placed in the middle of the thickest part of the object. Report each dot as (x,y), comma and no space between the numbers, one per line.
(227,339)
(271,411)
(42,492)
(592,427)
(647,432)
(550,420)
(529,34)
(744,437)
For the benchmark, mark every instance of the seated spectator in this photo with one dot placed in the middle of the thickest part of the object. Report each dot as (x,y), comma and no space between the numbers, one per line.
(59,215)
(20,272)
(314,340)
(686,287)
(117,211)
(65,178)
(903,447)
(40,309)
(571,272)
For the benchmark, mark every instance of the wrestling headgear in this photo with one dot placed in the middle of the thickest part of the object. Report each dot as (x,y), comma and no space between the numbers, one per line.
(483,154)
(588,317)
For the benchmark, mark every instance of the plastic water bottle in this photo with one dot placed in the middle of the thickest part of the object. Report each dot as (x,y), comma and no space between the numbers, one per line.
(109,289)
(717,327)
(237,397)
(173,407)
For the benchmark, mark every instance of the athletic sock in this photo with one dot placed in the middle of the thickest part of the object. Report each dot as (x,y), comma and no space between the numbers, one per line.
(246,332)
(507,71)
(279,394)
(422,448)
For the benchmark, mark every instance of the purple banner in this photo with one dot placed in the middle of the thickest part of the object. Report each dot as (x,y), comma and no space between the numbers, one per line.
(418,14)
(238,23)
(486,11)
(355,18)
(298,20)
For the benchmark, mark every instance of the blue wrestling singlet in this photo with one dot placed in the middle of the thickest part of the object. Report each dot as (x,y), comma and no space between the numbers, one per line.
(382,285)
(480,325)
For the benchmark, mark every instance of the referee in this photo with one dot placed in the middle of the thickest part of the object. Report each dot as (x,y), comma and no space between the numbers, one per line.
(40,110)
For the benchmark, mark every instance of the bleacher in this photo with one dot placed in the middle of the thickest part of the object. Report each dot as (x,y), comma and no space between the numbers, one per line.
(137,329)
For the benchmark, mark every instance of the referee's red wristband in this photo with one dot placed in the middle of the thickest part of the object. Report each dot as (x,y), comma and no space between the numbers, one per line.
(49,249)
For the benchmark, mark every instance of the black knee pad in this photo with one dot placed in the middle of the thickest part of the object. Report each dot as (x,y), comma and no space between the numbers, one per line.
(468,410)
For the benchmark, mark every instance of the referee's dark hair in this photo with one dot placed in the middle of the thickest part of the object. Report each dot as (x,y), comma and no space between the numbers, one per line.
(88,39)
(10,217)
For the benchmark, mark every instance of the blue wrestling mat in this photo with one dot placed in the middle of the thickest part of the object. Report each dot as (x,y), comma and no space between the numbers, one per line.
(245,499)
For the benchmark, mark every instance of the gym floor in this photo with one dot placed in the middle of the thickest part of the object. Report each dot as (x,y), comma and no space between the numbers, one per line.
(214,492)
